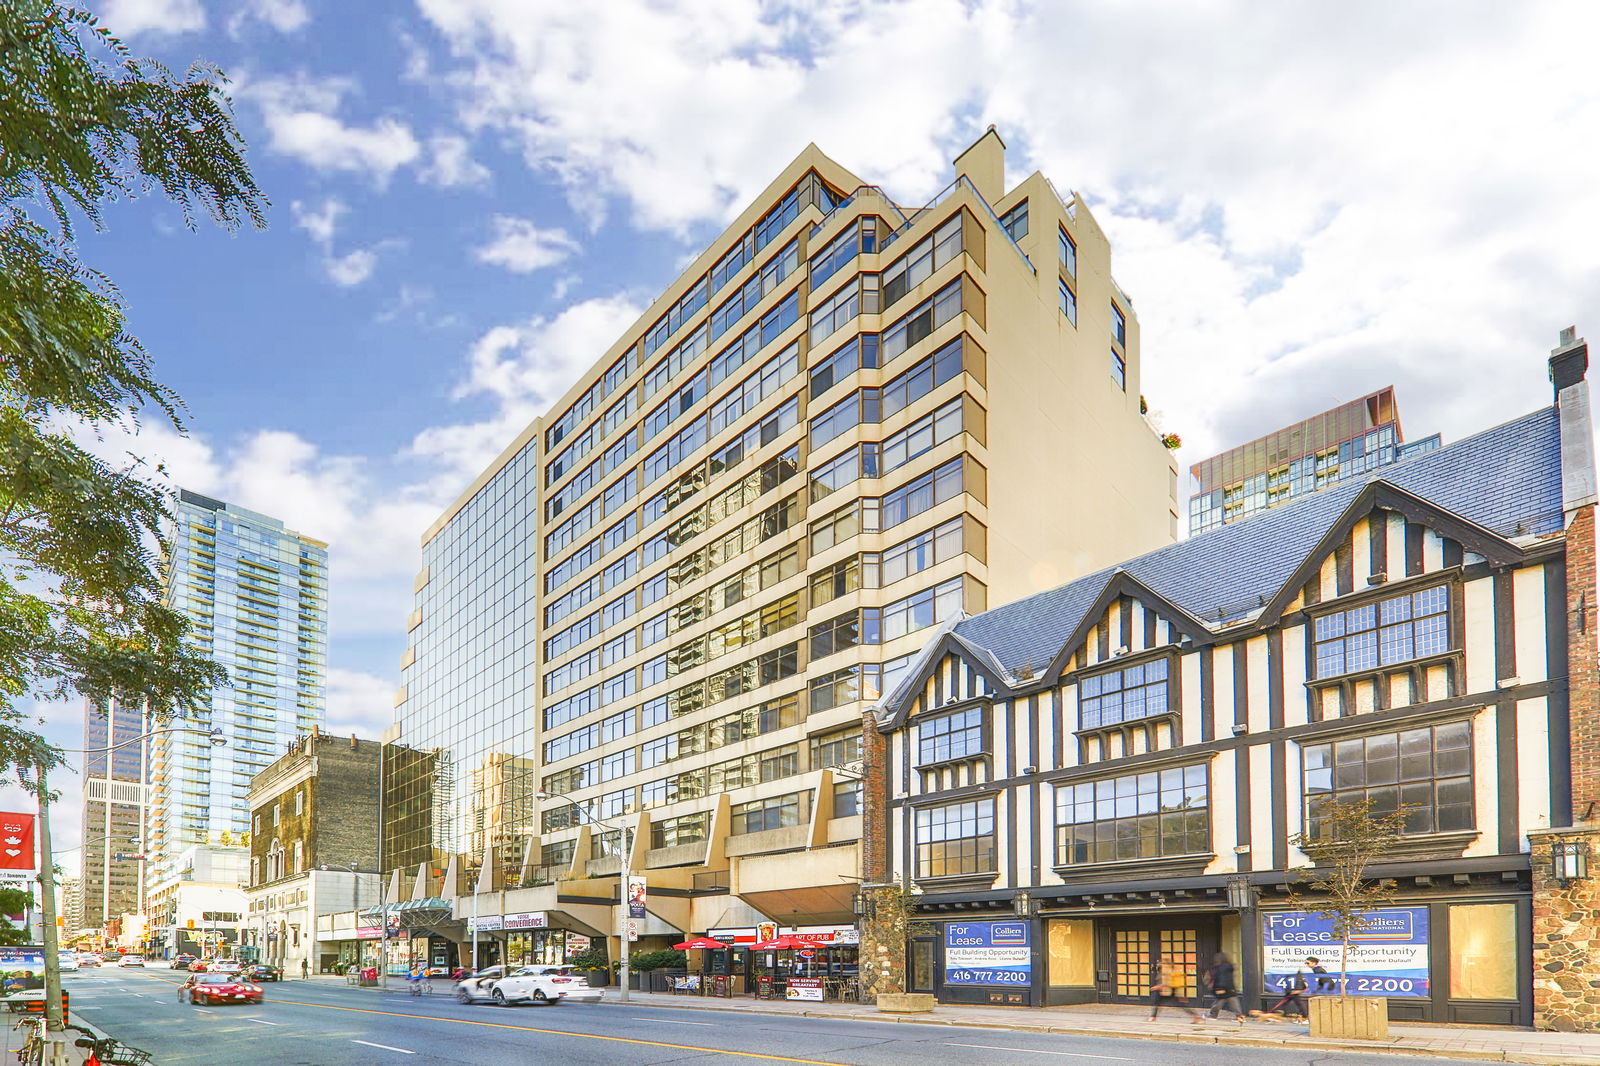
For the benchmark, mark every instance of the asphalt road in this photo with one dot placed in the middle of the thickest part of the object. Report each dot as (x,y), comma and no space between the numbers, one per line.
(319,1023)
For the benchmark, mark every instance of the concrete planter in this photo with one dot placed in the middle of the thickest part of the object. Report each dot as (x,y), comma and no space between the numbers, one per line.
(905,1002)
(1350,1017)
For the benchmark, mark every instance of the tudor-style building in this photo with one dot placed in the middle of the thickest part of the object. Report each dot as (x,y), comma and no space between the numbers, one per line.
(1084,780)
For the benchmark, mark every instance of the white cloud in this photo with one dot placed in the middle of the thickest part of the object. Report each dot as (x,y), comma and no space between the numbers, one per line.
(360,703)
(321,221)
(351,268)
(301,119)
(522,247)
(450,163)
(127,18)
(284,16)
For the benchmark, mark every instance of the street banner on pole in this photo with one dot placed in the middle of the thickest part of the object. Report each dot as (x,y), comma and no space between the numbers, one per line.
(16,842)
(636,896)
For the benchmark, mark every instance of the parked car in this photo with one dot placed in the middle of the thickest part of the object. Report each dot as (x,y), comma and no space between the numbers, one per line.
(261,971)
(218,988)
(131,960)
(528,984)
(181,962)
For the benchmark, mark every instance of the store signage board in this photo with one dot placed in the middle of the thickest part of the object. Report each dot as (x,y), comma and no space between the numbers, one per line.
(988,953)
(809,988)
(577,942)
(528,920)
(1387,958)
(485,922)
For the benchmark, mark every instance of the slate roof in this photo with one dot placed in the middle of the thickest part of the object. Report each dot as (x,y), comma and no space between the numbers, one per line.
(1507,479)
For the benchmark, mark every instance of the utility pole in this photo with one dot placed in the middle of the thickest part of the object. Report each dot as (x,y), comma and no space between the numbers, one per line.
(47,907)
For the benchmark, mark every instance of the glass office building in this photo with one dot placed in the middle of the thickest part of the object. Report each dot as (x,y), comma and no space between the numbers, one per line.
(847,423)
(256,595)
(112,829)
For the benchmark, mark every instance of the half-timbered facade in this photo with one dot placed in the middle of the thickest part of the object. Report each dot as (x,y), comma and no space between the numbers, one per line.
(1073,780)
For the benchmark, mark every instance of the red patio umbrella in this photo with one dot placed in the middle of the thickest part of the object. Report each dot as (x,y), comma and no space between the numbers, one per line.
(700,942)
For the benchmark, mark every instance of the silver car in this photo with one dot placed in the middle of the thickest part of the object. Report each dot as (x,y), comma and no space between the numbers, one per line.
(545,985)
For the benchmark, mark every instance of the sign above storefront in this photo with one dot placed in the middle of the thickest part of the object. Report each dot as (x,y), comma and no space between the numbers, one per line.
(822,936)
(485,922)
(1389,957)
(988,953)
(527,920)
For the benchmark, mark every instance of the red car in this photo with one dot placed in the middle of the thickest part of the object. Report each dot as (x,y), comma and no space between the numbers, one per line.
(218,988)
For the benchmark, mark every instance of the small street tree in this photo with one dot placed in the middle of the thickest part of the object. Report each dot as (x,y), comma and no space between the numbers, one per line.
(13,901)
(1344,839)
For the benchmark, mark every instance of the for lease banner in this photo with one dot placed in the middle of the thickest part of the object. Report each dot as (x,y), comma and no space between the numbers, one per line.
(1388,956)
(987,953)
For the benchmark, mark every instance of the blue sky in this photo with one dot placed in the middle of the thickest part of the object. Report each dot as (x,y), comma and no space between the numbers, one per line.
(473,198)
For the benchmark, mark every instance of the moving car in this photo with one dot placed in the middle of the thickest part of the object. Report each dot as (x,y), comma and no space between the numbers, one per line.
(181,962)
(222,966)
(131,960)
(67,962)
(528,984)
(218,988)
(261,971)
(88,959)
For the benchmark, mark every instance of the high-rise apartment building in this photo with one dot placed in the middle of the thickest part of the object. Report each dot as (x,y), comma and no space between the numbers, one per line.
(1348,440)
(114,797)
(256,595)
(670,599)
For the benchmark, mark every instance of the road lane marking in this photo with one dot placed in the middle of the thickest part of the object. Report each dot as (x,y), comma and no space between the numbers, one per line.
(562,1032)
(262,1021)
(674,1021)
(202,1010)
(1035,1051)
(385,1047)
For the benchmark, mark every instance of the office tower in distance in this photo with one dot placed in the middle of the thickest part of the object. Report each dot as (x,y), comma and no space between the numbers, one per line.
(113,797)
(671,598)
(1348,440)
(256,595)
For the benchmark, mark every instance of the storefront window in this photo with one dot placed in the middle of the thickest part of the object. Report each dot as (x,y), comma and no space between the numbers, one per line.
(1483,951)
(1071,953)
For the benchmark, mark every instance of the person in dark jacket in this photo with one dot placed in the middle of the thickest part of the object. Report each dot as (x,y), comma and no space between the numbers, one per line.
(1293,1003)
(1225,988)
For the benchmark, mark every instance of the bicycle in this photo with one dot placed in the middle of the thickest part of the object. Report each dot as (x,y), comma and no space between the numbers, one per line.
(421,986)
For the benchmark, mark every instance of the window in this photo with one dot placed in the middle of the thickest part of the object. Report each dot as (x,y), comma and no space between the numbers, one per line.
(1015,221)
(299,857)
(859,408)
(923,435)
(921,551)
(1119,326)
(839,748)
(275,808)
(844,686)
(1119,370)
(1124,695)
(1413,625)
(846,799)
(846,631)
(921,320)
(923,377)
(861,352)
(1429,770)
(775,812)
(956,839)
(689,829)
(299,802)
(1142,816)
(922,609)
(831,582)
(928,255)
(558,854)
(951,736)
(779,763)
(1067,254)
(1068,301)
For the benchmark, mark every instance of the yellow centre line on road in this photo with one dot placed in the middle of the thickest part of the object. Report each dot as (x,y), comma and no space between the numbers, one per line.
(552,1032)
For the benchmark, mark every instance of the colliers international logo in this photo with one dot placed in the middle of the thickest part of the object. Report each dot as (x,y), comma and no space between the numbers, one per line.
(1383,926)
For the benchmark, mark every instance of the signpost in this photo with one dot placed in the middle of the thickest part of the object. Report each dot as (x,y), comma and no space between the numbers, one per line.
(1387,958)
(809,988)
(988,953)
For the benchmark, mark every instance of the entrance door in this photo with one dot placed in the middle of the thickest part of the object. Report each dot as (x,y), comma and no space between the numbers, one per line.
(921,965)
(1130,948)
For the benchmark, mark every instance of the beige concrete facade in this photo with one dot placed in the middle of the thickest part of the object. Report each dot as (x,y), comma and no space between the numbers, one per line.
(749,599)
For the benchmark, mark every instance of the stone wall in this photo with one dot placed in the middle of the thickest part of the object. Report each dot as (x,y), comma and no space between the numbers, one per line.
(1566,937)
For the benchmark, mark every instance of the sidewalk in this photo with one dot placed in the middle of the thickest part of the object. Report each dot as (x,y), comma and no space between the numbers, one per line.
(1486,1044)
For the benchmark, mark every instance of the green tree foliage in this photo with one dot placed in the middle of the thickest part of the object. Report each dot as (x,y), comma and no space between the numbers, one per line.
(84,124)
(13,901)
(1351,835)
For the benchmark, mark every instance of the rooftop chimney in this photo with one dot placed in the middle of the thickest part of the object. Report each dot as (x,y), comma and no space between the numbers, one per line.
(1569,362)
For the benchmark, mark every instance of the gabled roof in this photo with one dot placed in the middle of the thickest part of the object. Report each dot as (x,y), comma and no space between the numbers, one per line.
(1506,480)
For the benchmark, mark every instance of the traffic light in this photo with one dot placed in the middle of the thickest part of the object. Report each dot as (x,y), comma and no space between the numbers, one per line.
(191,923)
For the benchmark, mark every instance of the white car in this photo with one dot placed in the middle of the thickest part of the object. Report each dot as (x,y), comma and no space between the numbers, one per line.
(131,960)
(528,984)
(222,966)
(67,962)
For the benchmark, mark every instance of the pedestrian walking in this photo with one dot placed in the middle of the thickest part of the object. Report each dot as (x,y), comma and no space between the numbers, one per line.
(1168,982)
(1293,1002)
(305,969)
(1224,988)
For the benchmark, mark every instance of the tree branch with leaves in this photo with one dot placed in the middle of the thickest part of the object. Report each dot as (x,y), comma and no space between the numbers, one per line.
(83,124)
(1344,840)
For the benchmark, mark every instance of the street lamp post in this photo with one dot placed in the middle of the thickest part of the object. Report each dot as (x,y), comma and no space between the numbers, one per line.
(383,918)
(624,873)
